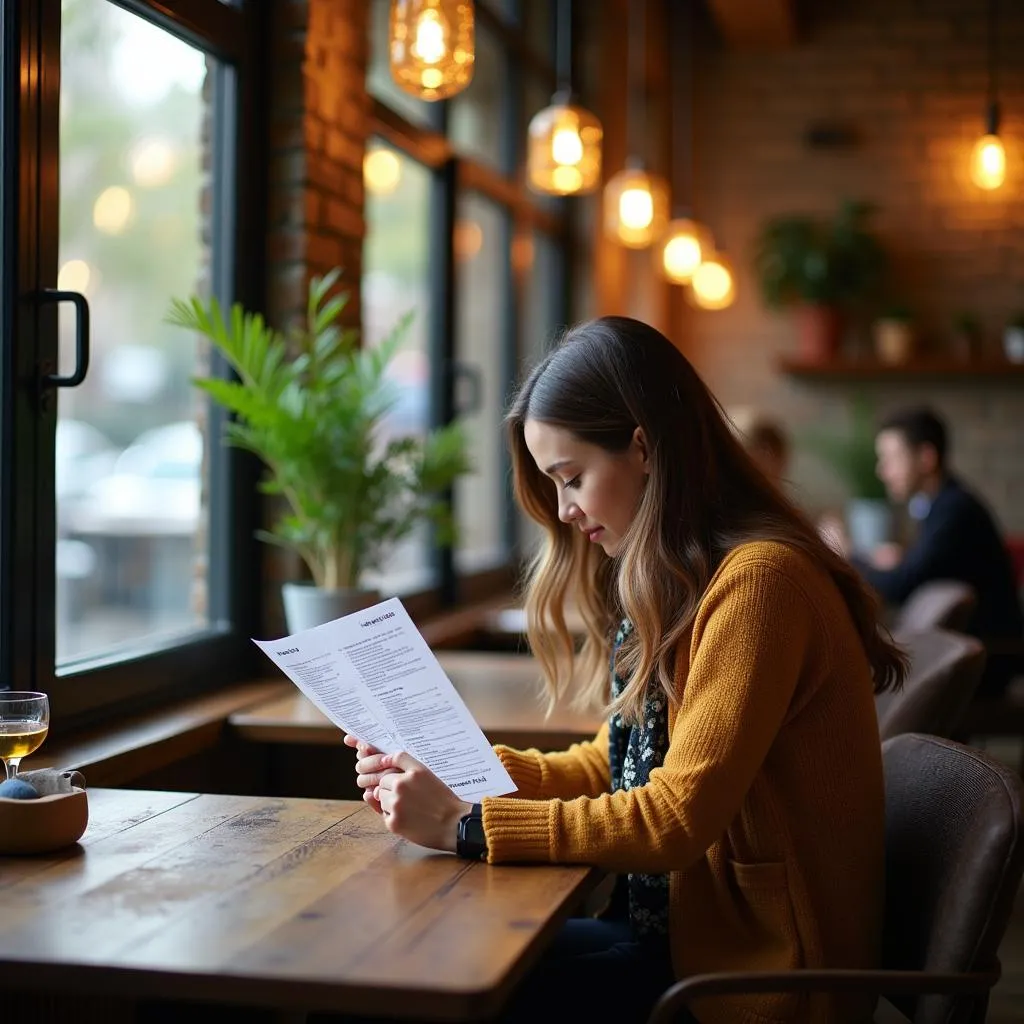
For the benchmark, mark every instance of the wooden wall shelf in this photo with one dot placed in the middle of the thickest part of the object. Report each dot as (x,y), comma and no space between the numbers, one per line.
(945,370)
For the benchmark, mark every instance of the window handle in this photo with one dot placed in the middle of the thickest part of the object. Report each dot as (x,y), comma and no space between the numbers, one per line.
(78,300)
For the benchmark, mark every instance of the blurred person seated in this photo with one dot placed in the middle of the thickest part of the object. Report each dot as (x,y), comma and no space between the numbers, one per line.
(766,442)
(956,539)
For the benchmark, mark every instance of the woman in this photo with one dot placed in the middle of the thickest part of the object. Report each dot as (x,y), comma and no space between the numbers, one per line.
(737,786)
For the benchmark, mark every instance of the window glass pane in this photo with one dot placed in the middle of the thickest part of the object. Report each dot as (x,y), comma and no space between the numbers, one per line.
(378,74)
(476,115)
(481,253)
(541,296)
(507,9)
(131,524)
(395,280)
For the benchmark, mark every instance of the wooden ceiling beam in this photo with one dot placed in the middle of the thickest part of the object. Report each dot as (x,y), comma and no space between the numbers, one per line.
(756,24)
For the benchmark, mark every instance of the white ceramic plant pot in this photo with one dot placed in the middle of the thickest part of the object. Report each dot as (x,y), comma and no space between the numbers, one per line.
(894,341)
(1013,344)
(306,606)
(869,523)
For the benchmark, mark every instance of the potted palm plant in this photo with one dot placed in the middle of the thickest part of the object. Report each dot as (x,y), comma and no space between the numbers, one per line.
(311,406)
(851,453)
(826,270)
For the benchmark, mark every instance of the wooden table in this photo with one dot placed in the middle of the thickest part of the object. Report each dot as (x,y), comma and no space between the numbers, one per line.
(502,691)
(288,904)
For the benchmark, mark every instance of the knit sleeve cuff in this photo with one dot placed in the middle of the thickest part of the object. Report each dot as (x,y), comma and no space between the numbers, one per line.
(525,768)
(517,830)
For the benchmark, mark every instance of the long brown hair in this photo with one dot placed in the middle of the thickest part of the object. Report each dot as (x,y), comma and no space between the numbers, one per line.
(704,497)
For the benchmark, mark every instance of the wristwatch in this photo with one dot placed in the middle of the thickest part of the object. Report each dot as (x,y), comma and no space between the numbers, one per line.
(470,841)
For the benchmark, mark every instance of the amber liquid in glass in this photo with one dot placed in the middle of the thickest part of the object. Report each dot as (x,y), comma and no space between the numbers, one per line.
(19,738)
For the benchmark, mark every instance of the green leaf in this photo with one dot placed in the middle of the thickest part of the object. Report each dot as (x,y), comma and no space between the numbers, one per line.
(312,407)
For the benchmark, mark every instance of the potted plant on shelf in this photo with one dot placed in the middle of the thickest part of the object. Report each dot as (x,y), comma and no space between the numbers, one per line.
(851,453)
(312,406)
(828,271)
(1013,339)
(894,335)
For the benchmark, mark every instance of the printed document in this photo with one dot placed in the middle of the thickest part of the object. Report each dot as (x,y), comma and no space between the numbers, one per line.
(373,675)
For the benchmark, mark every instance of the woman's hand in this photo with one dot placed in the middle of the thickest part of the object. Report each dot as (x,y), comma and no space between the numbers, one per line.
(367,783)
(415,803)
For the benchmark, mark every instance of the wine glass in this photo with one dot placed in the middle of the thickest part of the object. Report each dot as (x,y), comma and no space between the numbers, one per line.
(24,722)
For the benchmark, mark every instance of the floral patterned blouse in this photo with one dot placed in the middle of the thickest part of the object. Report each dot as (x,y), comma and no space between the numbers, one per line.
(634,751)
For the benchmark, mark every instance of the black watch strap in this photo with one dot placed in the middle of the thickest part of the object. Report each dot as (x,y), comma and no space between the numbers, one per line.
(470,842)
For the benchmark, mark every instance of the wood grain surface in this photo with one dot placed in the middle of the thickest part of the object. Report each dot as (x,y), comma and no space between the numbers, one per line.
(289,904)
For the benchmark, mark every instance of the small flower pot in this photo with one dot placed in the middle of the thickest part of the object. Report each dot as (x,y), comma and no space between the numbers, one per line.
(306,606)
(820,331)
(894,341)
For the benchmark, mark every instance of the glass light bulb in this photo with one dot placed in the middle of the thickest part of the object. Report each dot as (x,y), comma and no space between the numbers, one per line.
(988,162)
(681,257)
(566,180)
(636,208)
(429,45)
(712,284)
(567,147)
(563,152)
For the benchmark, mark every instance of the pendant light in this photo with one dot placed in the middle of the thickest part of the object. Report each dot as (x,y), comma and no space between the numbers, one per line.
(563,155)
(988,158)
(635,200)
(713,285)
(431,46)
(685,242)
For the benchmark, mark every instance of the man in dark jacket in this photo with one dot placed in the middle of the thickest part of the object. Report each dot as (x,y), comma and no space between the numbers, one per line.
(957,539)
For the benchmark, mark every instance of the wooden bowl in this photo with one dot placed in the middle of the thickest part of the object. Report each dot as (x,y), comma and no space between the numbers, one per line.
(42,825)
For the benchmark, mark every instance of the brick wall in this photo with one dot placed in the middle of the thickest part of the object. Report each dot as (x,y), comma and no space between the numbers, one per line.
(319,117)
(909,76)
(318,128)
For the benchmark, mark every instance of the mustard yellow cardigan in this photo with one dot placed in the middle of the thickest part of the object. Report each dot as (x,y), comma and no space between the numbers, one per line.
(768,811)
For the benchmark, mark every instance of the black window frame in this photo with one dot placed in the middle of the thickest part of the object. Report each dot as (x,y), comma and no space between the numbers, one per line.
(237,37)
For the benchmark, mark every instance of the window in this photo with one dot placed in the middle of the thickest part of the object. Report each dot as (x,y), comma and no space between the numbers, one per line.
(131,548)
(543,317)
(477,118)
(482,282)
(490,267)
(130,553)
(396,280)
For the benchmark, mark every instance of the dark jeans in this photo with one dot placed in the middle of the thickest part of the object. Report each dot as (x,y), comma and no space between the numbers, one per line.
(594,970)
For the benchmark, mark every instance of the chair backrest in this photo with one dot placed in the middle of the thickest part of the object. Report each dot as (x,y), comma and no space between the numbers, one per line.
(954,858)
(945,669)
(938,604)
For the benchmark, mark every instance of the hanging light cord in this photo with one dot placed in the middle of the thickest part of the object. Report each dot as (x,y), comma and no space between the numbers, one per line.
(682,118)
(635,126)
(563,53)
(993,68)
